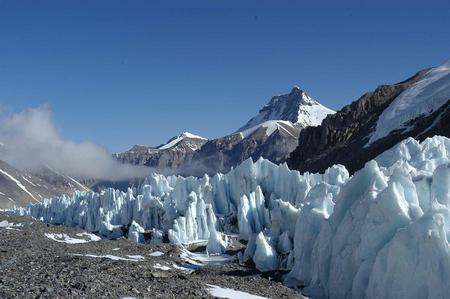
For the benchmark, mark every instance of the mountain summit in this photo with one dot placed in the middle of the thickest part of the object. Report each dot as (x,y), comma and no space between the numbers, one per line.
(165,156)
(185,136)
(297,107)
(272,134)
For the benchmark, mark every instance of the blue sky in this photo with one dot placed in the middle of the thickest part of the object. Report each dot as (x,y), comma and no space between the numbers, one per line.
(126,72)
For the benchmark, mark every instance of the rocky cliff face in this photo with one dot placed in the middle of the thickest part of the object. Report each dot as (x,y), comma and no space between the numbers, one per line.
(344,138)
(273,141)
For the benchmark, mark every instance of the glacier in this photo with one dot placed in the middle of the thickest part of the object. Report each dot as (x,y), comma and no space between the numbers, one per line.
(381,233)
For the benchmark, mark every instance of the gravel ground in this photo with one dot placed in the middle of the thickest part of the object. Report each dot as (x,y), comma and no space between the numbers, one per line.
(34,266)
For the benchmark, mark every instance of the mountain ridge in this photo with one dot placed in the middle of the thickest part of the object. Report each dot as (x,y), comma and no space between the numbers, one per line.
(350,130)
(19,187)
(271,134)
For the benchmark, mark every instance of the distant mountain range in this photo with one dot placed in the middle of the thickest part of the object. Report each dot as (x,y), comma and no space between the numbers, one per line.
(291,127)
(272,134)
(310,137)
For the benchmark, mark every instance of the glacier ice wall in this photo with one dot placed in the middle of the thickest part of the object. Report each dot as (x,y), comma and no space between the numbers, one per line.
(192,209)
(382,233)
(387,236)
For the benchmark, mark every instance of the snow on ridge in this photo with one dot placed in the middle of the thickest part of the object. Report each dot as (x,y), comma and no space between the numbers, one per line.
(193,136)
(29,182)
(179,138)
(78,183)
(422,98)
(171,143)
(18,183)
(270,125)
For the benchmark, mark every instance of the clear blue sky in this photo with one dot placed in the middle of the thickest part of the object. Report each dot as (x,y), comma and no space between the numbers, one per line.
(127,72)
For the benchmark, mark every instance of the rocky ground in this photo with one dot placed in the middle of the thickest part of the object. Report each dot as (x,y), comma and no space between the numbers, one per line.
(36,263)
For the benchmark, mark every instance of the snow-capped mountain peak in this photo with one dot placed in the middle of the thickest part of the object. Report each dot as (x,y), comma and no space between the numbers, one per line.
(297,107)
(175,140)
(168,155)
(192,136)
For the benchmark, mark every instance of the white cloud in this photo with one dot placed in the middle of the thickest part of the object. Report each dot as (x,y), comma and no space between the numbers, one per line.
(31,140)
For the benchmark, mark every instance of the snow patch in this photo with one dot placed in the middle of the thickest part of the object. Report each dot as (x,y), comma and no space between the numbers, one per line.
(220,292)
(156,253)
(270,125)
(64,238)
(84,188)
(185,268)
(136,257)
(112,257)
(28,181)
(9,225)
(18,183)
(200,259)
(90,237)
(161,267)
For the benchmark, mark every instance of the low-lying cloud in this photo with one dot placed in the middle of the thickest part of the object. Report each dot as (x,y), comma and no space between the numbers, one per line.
(30,140)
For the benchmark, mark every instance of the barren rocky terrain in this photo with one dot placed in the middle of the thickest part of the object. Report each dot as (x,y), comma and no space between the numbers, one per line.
(38,260)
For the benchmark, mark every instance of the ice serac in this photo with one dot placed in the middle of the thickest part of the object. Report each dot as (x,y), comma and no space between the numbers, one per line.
(265,257)
(387,234)
(248,200)
(382,233)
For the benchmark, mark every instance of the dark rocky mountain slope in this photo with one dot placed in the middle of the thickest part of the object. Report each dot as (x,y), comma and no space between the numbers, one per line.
(417,107)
